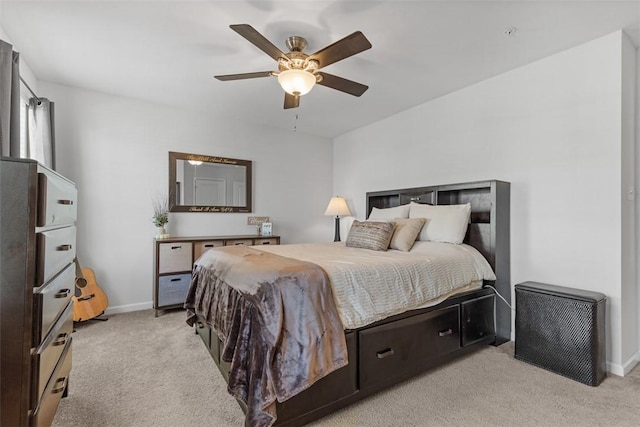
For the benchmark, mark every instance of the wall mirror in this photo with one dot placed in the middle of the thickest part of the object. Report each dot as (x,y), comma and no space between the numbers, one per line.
(200,183)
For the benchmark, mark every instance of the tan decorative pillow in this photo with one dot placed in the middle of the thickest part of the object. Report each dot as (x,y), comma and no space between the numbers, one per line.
(374,235)
(406,232)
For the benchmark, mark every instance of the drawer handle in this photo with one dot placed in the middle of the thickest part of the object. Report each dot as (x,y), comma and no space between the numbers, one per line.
(65,202)
(239,243)
(209,245)
(175,280)
(64,248)
(445,333)
(61,339)
(60,385)
(200,325)
(384,353)
(414,199)
(62,293)
(176,247)
(266,243)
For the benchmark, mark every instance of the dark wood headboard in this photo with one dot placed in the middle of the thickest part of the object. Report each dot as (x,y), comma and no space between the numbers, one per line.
(488,229)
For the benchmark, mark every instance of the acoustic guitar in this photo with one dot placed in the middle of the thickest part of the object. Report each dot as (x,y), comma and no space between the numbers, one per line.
(89,300)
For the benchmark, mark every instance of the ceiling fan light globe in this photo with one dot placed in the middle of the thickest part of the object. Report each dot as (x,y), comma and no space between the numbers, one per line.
(296,82)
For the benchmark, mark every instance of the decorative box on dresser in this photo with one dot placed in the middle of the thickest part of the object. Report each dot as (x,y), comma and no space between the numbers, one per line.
(38,210)
(174,258)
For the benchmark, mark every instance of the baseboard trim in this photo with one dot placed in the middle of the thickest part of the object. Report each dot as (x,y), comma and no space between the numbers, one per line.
(622,370)
(129,308)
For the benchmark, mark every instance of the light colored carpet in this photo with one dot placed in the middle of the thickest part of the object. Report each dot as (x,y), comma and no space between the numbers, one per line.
(138,370)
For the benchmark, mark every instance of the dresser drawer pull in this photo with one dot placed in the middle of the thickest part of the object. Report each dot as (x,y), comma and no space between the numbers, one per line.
(62,293)
(414,199)
(176,247)
(210,245)
(384,353)
(65,202)
(266,243)
(59,386)
(61,339)
(64,248)
(445,333)
(176,280)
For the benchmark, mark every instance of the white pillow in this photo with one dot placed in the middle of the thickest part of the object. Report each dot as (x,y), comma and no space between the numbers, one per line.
(401,211)
(445,223)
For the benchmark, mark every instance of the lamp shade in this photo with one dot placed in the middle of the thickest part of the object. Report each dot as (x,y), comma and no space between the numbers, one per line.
(337,206)
(296,82)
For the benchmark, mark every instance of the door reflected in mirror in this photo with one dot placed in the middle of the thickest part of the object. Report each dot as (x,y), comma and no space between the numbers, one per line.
(201,183)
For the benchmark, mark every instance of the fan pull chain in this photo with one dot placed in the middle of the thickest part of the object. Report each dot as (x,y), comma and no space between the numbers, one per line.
(295,124)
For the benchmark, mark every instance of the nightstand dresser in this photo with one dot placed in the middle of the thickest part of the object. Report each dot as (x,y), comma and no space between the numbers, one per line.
(174,258)
(38,210)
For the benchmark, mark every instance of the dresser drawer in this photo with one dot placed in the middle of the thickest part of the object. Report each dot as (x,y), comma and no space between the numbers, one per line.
(396,349)
(57,200)
(175,257)
(47,355)
(265,241)
(201,247)
(237,242)
(46,410)
(50,301)
(56,250)
(173,289)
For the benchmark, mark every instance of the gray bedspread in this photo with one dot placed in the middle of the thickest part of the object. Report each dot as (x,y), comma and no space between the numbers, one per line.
(277,319)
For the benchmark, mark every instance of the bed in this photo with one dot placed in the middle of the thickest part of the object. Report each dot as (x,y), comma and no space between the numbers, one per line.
(382,342)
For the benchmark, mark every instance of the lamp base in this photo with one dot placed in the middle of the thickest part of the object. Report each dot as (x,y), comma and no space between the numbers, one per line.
(336,237)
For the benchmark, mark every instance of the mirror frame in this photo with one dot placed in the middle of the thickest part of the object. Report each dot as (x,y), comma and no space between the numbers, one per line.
(174,157)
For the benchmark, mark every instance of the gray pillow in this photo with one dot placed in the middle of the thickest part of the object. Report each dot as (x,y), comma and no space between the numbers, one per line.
(374,235)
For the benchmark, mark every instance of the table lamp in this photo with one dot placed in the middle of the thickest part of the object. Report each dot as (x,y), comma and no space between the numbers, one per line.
(337,206)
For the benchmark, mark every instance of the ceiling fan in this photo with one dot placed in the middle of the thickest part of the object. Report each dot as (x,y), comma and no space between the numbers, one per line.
(298,72)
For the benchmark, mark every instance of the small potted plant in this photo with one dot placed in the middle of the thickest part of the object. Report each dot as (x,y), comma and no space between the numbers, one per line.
(161,217)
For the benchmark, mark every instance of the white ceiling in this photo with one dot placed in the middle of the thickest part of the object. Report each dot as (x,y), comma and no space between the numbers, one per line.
(168,51)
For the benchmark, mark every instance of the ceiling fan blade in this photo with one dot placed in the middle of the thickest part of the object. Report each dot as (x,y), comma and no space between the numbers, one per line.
(344,48)
(250,33)
(291,101)
(243,76)
(343,85)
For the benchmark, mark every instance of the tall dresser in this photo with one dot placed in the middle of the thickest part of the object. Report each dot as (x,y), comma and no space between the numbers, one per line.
(38,210)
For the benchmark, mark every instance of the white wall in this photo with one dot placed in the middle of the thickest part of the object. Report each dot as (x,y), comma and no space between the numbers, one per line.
(116,150)
(553,129)
(629,297)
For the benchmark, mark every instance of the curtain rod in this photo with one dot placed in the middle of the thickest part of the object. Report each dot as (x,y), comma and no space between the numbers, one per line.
(29,89)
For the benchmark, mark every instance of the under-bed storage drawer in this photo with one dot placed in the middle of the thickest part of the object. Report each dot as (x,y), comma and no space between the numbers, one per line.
(477,320)
(209,338)
(399,348)
(173,289)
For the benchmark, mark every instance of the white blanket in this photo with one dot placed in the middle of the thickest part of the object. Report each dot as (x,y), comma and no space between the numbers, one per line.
(370,285)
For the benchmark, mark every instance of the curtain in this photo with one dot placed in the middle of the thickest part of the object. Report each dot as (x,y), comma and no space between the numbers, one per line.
(40,131)
(9,100)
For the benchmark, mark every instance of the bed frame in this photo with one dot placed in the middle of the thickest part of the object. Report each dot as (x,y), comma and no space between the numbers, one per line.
(400,347)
